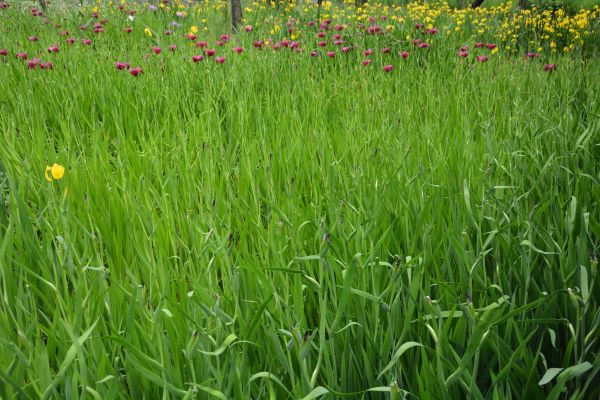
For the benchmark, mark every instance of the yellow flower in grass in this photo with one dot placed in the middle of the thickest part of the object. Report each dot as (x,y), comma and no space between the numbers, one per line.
(56,171)
(193,29)
(148,32)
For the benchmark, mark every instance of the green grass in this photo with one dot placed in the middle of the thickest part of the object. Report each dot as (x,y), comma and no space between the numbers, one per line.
(281,227)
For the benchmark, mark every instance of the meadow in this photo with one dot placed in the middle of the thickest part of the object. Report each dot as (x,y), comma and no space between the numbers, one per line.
(348,201)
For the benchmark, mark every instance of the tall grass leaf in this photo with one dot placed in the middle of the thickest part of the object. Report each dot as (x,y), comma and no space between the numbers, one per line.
(211,391)
(69,358)
(397,355)
(228,340)
(270,376)
(532,247)
(316,393)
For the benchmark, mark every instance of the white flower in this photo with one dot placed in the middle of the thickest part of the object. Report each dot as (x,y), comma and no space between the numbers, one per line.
(130,17)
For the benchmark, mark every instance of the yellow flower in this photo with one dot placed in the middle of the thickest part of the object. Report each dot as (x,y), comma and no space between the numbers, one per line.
(148,32)
(57,171)
(194,29)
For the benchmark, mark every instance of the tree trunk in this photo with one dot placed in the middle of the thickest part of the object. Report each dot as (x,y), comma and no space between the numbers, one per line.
(236,14)
(476,3)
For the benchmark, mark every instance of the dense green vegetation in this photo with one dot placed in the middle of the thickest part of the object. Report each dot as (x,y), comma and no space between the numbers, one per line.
(282,226)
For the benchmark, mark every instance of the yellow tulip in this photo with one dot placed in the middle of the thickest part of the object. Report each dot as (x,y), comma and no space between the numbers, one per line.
(148,32)
(56,171)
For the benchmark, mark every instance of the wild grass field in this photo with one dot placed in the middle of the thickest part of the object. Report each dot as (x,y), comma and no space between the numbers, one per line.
(408,210)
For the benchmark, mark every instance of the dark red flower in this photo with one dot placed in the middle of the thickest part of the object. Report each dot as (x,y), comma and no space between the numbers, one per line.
(479,45)
(156,50)
(197,58)
(491,46)
(373,30)
(3,52)
(219,60)
(331,54)
(122,65)
(128,29)
(366,62)
(386,50)
(210,52)
(201,44)
(22,56)
(33,38)
(388,68)
(482,59)
(53,49)
(136,71)
(549,67)
(86,42)
(173,48)
(463,54)
(238,50)
(70,40)
(404,54)
(33,63)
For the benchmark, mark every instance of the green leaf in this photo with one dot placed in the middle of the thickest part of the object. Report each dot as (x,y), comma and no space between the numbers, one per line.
(397,356)
(228,340)
(316,392)
(574,372)
(583,284)
(69,358)
(532,247)
(549,375)
(212,392)
(270,376)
